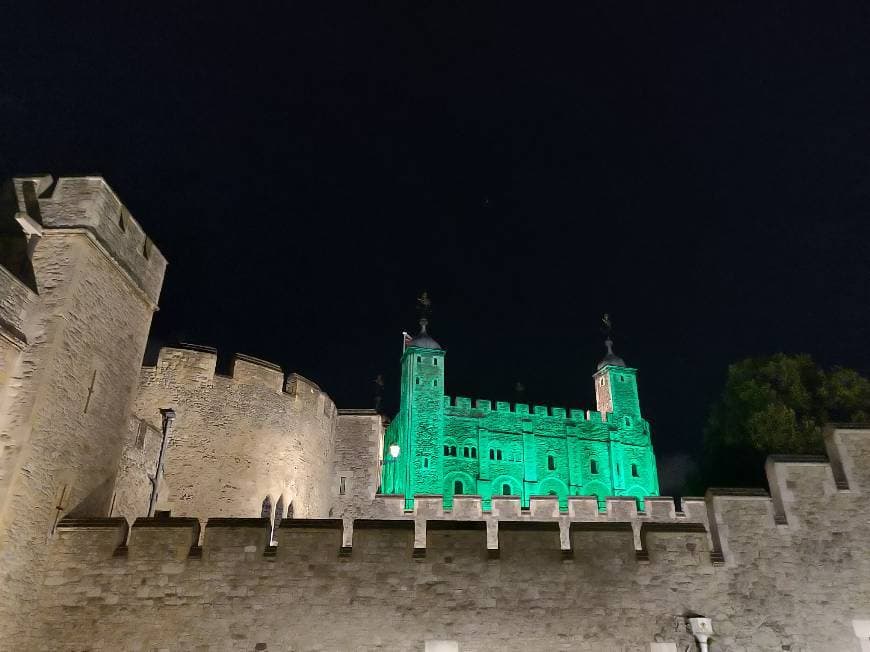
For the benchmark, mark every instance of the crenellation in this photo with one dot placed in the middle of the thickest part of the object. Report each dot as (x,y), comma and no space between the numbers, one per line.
(253,371)
(90,538)
(235,539)
(543,507)
(89,203)
(162,539)
(189,363)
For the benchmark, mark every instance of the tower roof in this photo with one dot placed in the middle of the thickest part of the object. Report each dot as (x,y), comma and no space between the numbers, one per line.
(423,340)
(611,359)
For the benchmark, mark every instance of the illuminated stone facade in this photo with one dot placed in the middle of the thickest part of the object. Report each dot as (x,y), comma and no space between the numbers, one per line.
(453,446)
(122,529)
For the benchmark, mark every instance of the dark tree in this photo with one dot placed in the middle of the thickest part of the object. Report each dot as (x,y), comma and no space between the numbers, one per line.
(776,404)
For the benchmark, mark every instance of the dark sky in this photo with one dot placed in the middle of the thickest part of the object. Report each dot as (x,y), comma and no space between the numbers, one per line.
(702,174)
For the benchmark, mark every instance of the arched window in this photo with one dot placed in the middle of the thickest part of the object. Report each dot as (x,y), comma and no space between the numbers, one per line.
(552,493)
(505,490)
(279,516)
(551,463)
(453,451)
(266,509)
(593,467)
(627,421)
(457,487)
(466,452)
(634,472)
(473,452)
(446,449)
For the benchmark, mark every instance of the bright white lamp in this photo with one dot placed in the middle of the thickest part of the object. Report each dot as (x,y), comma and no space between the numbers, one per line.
(394,450)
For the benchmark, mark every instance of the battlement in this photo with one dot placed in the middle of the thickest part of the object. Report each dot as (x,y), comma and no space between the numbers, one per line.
(89,204)
(197,364)
(464,406)
(761,565)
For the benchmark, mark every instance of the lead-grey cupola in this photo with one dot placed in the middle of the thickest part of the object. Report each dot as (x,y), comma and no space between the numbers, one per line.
(423,340)
(611,359)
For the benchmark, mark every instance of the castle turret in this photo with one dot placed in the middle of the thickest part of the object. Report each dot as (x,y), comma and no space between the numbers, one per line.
(417,428)
(616,387)
(83,281)
(633,466)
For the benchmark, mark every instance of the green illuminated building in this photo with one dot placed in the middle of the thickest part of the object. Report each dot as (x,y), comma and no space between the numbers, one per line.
(447,445)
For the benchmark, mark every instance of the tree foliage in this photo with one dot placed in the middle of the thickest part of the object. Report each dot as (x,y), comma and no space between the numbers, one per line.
(777,404)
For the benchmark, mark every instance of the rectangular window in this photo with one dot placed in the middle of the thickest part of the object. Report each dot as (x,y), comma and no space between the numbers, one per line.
(342,486)
(425,462)
(435,361)
(492,453)
(498,455)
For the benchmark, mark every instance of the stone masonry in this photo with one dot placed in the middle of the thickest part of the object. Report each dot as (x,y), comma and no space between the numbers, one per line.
(788,572)
(267,530)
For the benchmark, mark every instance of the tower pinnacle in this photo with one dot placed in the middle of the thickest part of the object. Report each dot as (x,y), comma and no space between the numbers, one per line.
(610,359)
(423,340)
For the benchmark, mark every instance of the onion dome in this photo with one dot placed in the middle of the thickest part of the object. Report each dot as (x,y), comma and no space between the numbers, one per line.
(423,340)
(611,359)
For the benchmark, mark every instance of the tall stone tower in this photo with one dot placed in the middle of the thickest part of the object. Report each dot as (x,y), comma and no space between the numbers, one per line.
(633,466)
(79,282)
(418,426)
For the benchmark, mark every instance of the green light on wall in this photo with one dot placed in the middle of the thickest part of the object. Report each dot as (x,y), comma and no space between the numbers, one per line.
(450,446)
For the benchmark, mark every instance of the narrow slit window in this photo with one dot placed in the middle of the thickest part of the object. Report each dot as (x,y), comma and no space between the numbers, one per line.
(593,467)
(435,383)
(425,462)
(435,361)
(417,380)
(634,472)
(492,453)
(474,452)
(498,454)
(551,463)
(342,486)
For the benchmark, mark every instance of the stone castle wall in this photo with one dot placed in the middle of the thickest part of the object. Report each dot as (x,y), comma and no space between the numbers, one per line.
(69,378)
(790,571)
(237,440)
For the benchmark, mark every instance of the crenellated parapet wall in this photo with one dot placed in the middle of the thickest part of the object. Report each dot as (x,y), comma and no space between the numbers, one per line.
(90,205)
(462,406)
(239,440)
(773,572)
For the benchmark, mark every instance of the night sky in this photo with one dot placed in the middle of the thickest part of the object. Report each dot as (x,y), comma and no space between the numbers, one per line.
(702,174)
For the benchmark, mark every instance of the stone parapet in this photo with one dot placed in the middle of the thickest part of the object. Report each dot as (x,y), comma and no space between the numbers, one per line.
(88,203)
